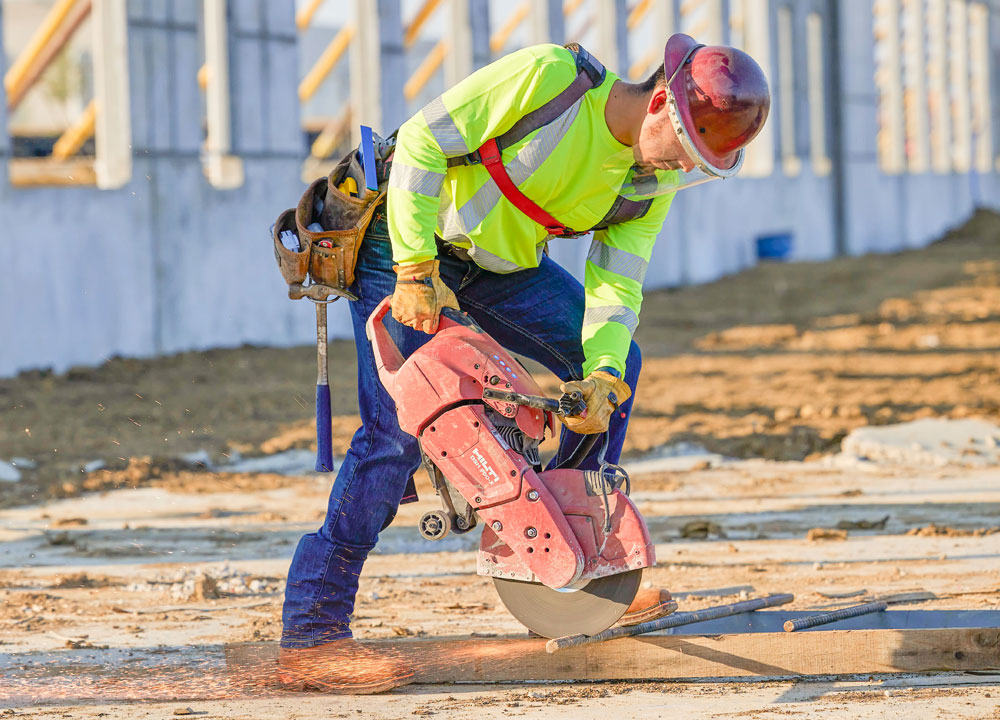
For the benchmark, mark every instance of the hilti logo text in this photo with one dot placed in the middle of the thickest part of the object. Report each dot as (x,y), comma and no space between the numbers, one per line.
(488,473)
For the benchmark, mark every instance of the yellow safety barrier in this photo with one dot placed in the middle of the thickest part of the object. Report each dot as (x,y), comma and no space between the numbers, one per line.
(50,38)
(70,142)
(419,20)
(571,6)
(304,17)
(426,70)
(327,61)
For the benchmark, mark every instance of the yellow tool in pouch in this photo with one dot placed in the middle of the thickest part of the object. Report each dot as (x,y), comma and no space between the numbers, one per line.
(329,223)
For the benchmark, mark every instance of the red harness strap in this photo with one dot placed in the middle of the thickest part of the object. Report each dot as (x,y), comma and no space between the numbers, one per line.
(490,154)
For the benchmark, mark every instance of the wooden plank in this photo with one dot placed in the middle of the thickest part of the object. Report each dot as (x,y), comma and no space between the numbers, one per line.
(425,71)
(304,17)
(16,80)
(421,17)
(42,171)
(25,79)
(326,62)
(77,134)
(509,660)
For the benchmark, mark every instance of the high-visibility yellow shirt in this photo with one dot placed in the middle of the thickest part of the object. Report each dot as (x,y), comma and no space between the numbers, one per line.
(563,167)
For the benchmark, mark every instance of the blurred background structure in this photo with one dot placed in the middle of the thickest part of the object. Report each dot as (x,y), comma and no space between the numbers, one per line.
(147,145)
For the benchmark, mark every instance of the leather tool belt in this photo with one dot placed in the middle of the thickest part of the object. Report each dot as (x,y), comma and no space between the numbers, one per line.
(321,236)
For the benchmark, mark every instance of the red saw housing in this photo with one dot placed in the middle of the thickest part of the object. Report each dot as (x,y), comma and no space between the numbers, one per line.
(539,526)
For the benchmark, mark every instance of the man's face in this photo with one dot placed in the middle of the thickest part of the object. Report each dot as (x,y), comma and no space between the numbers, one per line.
(659,145)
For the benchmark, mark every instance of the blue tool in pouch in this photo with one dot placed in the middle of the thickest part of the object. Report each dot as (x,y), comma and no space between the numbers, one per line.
(368,157)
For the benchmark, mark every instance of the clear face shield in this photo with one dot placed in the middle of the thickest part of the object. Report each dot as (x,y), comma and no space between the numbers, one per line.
(638,174)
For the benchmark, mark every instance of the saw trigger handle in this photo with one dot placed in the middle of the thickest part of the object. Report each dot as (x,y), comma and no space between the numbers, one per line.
(572,404)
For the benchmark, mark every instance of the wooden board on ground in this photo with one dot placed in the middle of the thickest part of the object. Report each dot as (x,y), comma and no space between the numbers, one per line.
(843,652)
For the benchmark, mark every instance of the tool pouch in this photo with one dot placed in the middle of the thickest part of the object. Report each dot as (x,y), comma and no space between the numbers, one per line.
(325,213)
(294,264)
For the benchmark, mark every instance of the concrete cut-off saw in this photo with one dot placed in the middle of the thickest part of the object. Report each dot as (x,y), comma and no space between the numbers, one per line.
(565,547)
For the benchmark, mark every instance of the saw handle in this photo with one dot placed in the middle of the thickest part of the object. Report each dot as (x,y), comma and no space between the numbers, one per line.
(387,355)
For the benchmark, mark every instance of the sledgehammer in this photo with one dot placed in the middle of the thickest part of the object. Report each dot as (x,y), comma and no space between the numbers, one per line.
(324,423)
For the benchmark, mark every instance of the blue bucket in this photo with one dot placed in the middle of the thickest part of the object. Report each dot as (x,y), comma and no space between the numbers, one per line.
(777,247)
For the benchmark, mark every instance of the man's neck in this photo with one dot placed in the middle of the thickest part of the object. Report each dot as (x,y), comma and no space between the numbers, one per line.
(625,111)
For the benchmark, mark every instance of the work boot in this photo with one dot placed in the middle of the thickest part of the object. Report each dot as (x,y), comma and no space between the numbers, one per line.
(343,667)
(648,604)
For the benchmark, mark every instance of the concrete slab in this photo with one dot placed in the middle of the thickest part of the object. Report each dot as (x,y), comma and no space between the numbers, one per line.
(931,441)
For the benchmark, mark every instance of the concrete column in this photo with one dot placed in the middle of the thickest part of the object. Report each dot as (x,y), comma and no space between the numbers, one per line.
(717,25)
(5,149)
(889,73)
(915,87)
(223,169)
(612,35)
(663,15)
(994,38)
(458,61)
(724,13)
(979,49)
(937,85)
(547,22)
(958,82)
(366,69)
(757,43)
(479,23)
(393,62)
(113,128)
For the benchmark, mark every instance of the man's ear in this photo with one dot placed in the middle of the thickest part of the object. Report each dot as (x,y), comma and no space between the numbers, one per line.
(658,101)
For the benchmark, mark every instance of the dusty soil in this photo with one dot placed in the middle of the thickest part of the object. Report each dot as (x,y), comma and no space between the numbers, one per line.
(778,362)
(152,558)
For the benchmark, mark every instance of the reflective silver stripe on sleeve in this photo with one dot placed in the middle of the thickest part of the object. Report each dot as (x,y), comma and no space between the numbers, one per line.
(612,313)
(620,262)
(444,130)
(416,180)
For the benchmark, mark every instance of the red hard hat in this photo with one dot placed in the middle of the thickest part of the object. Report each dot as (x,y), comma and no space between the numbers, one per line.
(721,98)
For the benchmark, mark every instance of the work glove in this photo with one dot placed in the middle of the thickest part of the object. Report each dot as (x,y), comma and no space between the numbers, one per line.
(420,295)
(603,393)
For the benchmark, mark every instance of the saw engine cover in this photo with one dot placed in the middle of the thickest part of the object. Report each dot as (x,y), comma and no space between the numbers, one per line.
(555,541)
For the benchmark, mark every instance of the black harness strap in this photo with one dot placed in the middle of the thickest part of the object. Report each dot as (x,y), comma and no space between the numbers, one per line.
(623,210)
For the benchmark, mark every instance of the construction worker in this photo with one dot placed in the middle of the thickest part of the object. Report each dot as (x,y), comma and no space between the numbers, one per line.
(463,230)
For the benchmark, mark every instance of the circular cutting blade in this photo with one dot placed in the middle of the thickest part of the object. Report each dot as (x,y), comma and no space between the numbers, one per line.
(587,610)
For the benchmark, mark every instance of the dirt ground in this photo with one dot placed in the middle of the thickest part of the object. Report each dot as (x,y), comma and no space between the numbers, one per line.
(778,362)
(115,552)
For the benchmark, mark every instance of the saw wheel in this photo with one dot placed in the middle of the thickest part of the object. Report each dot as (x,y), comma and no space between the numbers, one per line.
(587,609)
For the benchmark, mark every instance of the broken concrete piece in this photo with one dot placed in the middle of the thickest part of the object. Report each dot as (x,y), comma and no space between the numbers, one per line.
(930,441)
(826,534)
(9,473)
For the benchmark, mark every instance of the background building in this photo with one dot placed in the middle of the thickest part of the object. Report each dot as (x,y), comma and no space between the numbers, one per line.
(147,145)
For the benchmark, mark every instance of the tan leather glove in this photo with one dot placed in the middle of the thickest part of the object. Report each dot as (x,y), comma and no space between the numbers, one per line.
(600,389)
(420,295)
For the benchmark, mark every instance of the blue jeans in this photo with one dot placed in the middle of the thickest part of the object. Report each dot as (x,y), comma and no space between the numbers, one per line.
(537,313)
